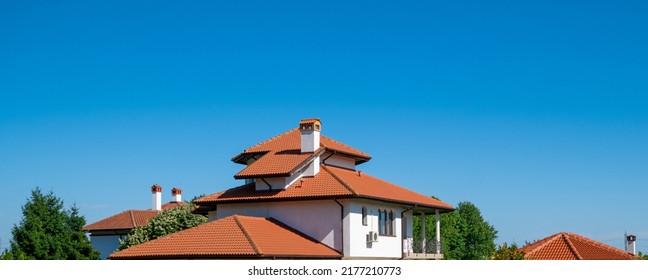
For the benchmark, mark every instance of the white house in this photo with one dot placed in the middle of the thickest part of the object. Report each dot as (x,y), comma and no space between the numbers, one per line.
(309,184)
(106,233)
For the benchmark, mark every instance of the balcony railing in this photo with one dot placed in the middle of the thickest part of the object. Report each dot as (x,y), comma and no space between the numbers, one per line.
(417,249)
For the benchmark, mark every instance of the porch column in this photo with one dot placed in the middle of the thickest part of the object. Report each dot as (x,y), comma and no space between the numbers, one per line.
(423,232)
(438,232)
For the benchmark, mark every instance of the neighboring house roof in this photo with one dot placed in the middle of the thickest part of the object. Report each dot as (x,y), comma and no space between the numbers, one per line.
(232,237)
(129,219)
(286,147)
(569,246)
(330,182)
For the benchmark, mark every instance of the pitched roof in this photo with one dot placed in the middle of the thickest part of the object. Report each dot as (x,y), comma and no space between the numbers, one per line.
(282,154)
(129,219)
(126,220)
(330,182)
(569,246)
(232,237)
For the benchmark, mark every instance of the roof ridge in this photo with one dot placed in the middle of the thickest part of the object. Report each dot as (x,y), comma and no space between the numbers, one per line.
(247,235)
(543,244)
(132,218)
(340,180)
(340,143)
(565,236)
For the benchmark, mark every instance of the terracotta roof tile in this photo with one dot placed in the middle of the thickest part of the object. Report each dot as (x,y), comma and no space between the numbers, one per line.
(371,187)
(569,246)
(129,219)
(126,220)
(328,183)
(323,185)
(231,237)
(291,140)
(272,164)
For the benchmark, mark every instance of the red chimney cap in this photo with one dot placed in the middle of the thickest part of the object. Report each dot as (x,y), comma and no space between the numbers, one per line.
(175,191)
(156,188)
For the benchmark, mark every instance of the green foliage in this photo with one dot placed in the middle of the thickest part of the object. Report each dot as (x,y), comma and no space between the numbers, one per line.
(465,235)
(49,232)
(641,256)
(169,221)
(504,252)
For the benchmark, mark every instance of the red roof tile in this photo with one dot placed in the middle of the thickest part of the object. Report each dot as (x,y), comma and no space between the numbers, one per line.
(569,246)
(328,183)
(291,140)
(129,219)
(274,164)
(231,237)
(126,220)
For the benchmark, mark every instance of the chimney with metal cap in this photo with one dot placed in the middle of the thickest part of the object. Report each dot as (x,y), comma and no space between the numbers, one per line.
(310,134)
(630,244)
(176,193)
(156,190)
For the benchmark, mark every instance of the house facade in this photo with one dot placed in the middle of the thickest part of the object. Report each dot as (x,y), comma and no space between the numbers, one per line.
(310,184)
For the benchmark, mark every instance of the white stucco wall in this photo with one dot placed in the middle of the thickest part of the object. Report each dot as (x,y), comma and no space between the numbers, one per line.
(339,161)
(105,244)
(277,183)
(318,219)
(355,242)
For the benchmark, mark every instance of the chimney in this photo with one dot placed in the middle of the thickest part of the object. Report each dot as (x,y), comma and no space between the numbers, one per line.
(310,134)
(157,197)
(176,193)
(630,244)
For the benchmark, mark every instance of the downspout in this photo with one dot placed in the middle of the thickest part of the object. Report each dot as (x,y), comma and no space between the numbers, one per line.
(324,160)
(341,223)
(402,214)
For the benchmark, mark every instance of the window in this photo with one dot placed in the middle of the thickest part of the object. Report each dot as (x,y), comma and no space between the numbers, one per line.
(364,215)
(386,222)
(382,215)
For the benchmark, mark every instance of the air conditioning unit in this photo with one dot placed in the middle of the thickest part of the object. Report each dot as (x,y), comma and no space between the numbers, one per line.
(372,236)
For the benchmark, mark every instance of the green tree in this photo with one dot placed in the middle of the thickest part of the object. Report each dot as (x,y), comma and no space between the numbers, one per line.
(641,256)
(504,252)
(169,221)
(49,232)
(465,235)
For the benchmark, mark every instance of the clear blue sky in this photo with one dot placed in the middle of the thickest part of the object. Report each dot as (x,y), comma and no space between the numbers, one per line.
(536,111)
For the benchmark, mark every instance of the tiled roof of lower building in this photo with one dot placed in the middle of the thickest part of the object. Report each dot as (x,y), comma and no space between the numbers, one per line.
(126,220)
(232,237)
(129,219)
(569,246)
(330,182)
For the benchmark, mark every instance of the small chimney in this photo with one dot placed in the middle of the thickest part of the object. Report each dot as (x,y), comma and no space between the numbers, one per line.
(157,197)
(310,134)
(176,193)
(630,244)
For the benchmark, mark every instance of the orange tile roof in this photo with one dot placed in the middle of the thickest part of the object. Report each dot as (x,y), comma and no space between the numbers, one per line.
(129,219)
(277,164)
(126,220)
(569,246)
(291,140)
(330,182)
(232,237)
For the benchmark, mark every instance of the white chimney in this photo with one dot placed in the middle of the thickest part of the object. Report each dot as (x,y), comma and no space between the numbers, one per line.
(630,244)
(157,197)
(176,193)
(310,134)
